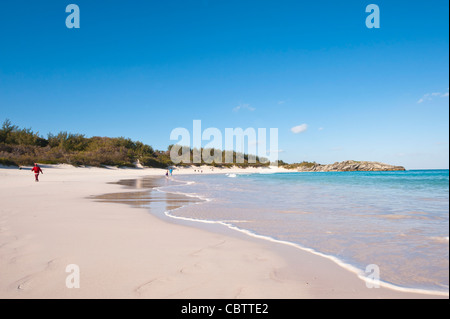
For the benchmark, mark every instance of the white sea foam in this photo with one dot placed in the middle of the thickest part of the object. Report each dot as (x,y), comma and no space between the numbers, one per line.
(361,275)
(229,224)
(440,239)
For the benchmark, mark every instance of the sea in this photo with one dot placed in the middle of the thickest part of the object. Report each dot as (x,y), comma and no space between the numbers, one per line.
(395,221)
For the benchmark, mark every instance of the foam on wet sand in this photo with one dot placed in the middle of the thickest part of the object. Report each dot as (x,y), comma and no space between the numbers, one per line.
(123,251)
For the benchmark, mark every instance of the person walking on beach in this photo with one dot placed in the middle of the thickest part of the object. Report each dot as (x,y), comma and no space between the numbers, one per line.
(36,169)
(171,170)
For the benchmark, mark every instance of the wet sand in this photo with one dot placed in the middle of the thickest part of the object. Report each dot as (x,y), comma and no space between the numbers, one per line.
(78,216)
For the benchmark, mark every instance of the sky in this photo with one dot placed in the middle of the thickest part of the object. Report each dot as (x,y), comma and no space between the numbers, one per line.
(335,89)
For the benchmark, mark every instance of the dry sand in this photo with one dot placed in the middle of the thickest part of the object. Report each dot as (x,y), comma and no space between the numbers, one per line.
(125,252)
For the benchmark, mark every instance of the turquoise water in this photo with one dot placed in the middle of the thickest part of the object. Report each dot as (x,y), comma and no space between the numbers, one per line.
(398,221)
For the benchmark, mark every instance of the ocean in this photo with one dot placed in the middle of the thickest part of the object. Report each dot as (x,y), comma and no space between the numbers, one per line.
(398,221)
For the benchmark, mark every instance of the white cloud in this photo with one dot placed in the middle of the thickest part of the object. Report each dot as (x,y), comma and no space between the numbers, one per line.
(299,128)
(320,128)
(281,102)
(430,96)
(424,98)
(244,106)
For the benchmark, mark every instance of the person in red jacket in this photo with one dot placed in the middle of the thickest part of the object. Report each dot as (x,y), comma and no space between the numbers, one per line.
(36,169)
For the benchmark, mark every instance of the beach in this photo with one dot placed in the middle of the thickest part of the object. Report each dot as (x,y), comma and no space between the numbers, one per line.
(126,252)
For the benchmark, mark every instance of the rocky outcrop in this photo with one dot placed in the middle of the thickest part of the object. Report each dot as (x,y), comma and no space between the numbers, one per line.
(350,166)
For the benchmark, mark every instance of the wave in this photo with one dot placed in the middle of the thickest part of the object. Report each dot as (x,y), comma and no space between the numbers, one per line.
(443,239)
(227,223)
(360,274)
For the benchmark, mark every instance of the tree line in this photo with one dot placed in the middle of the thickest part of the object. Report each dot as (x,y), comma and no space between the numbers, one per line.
(23,146)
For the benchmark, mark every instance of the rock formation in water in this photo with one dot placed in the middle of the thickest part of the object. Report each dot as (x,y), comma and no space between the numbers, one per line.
(348,166)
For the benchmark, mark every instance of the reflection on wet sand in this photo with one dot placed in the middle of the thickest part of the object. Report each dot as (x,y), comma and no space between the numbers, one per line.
(148,197)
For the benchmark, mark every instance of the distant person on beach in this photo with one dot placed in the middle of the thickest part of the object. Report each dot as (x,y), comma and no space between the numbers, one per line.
(167,174)
(36,169)
(171,170)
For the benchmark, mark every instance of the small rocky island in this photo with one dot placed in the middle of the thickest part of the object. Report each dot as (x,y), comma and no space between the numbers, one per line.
(346,166)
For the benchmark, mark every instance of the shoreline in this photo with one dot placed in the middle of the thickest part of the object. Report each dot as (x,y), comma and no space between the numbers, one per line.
(128,253)
(348,267)
(356,271)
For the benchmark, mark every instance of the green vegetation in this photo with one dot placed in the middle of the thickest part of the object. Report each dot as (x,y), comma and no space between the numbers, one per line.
(299,165)
(218,158)
(24,147)
(7,162)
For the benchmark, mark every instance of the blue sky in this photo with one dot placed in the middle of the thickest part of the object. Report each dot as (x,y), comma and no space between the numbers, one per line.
(139,69)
